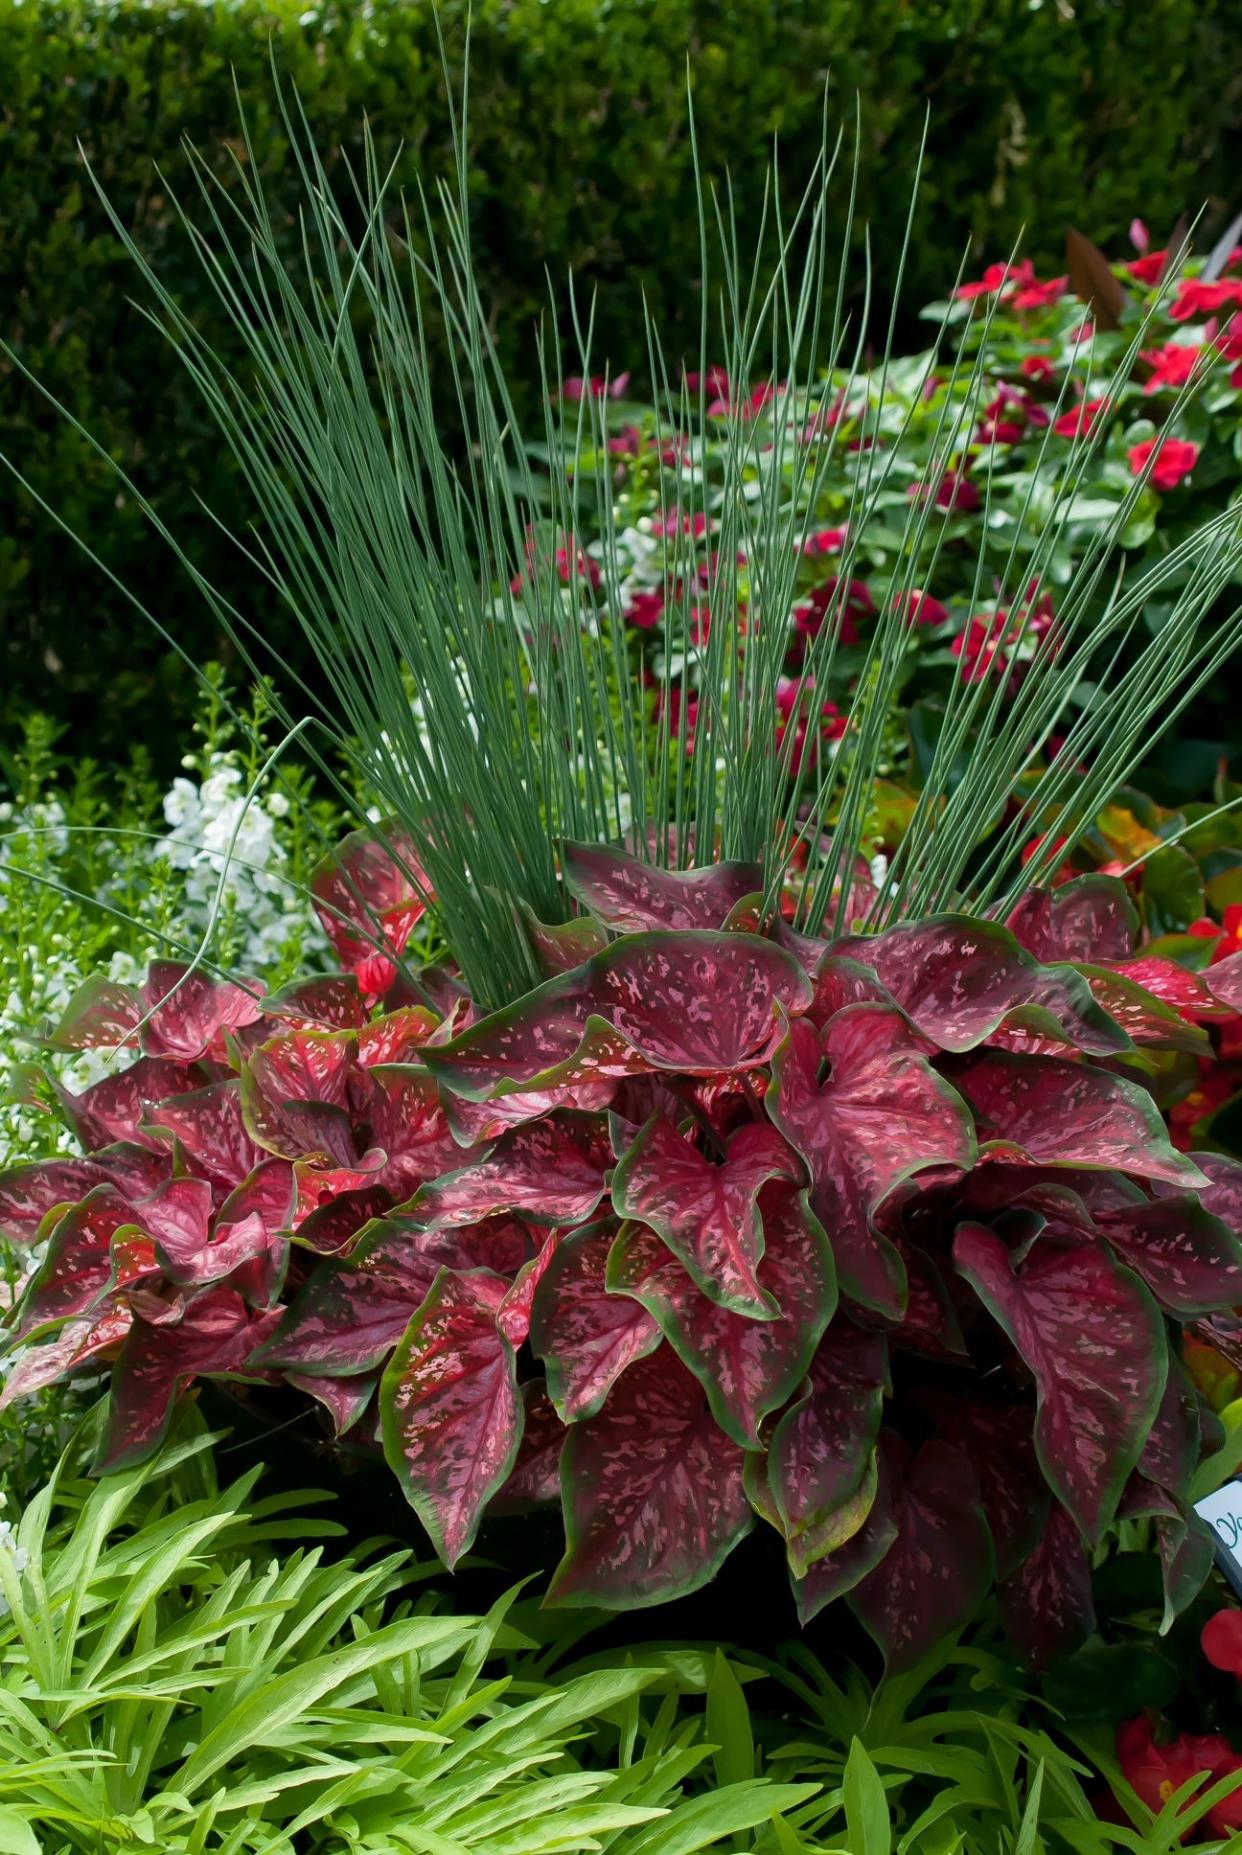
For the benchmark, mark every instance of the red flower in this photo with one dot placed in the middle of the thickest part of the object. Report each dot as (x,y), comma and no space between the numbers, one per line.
(856,604)
(1155,1772)
(995,278)
(1149,269)
(1171,365)
(1006,419)
(1221,1641)
(1080,418)
(1039,295)
(922,609)
(578,565)
(628,443)
(826,541)
(675,523)
(715,382)
(1038,367)
(645,610)
(1175,459)
(1197,298)
(681,709)
(954,491)
(1228,938)
(1215,1087)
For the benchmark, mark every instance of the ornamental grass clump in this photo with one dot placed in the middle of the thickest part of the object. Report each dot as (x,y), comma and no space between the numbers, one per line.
(712,1176)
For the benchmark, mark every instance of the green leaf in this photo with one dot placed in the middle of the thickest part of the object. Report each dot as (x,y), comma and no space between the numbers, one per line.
(866,1806)
(728,1725)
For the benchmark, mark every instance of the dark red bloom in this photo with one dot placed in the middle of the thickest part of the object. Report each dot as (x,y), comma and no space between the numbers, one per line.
(953,491)
(1038,367)
(1221,1641)
(646,610)
(922,609)
(1149,269)
(1081,418)
(1039,295)
(1175,459)
(824,541)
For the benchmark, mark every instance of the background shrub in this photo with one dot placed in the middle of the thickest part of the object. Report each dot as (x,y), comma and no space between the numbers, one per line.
(1041,114)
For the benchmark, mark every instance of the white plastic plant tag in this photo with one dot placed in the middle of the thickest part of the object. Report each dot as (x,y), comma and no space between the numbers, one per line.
(1223,1513)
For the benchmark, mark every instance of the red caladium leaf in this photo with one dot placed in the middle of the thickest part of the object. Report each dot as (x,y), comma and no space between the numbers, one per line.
(370,896)
(653,1493)
(999,1442)
(551,1171)
(698,1003)
(535,1480)
(1190,1260)
(586,1336)
(473,1122)
(452,1415)
(28,1193)
(101,1015)
(408,1122)
(214,1336)
(397,1037)
(269,1193)
(85,1343)
(513,1314)
(630,896)
(1224,981)
(938,1569)
(344,1399)
(1186,1543)
(1174,984)
(959,980)
(295,1095)
(929,1324)
(747,1367)
(882,1115)
(1047,1603)
(565,944)
(1171,1452)
(331,1003)
(822,1447)
(191,1014)
(1094,1342)
(86,1255)
(707,1215)
(1091,918)
(840,981)
(208,1125)
(1061,1113)
(839,1571)
(1147,1019)
(117,1108)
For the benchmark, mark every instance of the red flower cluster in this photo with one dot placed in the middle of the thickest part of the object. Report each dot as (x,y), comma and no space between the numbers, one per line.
(1175,459)
(1157,1771)
(1081,418)
(1016,285)
(988,642)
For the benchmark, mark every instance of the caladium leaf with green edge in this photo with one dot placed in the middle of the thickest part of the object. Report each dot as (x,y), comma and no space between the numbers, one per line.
(1171,1452)
(451,1410)
(881,1116)
(630,896)
(84,1343)
(560,946)
(939,1567)
(929,1324)
(697,1003)
(29,1192)
(653,1493)
(1185,1542)
(215,1336)
(747,1367)
(345,1399)
(1047,1602)
(295,1095)
(708,1215)
(585,1336)
(840,981)
(207,1124)
(101,1015)
(1093,1339)
(330,1002)
(999,1442)
(86,1255)
(1190,1260)
(552,1171)
(118,1107)
(370,895)
(1061,1113)
(1174,984)
(1091,918)
(1224,981)
(822,1447)
(397,1037)
(409,1124)
(960,980)
(838,1572)
(1148,1020)
(535,1479)
(190,1012)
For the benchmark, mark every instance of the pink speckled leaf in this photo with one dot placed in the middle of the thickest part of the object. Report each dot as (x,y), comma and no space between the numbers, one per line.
(408,1122)
(696,1003)
(839,1571)
(87,1342)
(28,1193)
(1046,1603)
(331,1002)
(214,1336)
(630,896)
(535,1480)
(451,1411)
(473,1122)
(191,1015)
(708,1215)
(1091,918)
(344,1399)
(1093,1339)
(119,1107)
(208,1125)
(940,1566)
(295,1095)
(370,896)
(840,981)
(100,1015)
(960,980)
(351,1312)
(1174,984)
(561,946)
(1190,1260)
(586,1336)
(1062,1113)
(881,1116)
(1146,1018)
(87,1254)
(653,1493)
(397,1037)
(822,1447)
(1224,981)
(747,1367)
(551,1171)
(1170,1454)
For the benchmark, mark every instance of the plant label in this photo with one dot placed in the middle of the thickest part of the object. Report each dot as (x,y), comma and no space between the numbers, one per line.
(1223,1513)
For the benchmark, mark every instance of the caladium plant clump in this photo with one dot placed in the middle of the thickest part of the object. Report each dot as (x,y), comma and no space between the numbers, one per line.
(876,1240)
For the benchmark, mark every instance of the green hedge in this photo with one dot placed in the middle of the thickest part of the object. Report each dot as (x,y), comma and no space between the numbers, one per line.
(1043,111)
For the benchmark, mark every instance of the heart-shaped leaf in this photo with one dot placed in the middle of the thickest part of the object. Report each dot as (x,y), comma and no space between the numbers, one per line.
(88,1341)
(535,1480)
(452,1415)
(295,1095)
(551,1171)
(1147,1019)
(1093,1340)
(1091,919)
(696,1003)
(28,1193)
(208,1125)
(101,1015)
(370,895)
(881,1116)
(653,1493)
(839,1571)
(331,1002)
(1190,1260)
(586,1336)
(1047,1603)
(708,1215)
(87,1254)
(1224,981)
(822,1447)
(118,1108)
(747,1367)
(191,1012)
(630,896)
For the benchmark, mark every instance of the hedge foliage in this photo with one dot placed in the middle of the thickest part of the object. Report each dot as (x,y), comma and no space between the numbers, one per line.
(1042,113)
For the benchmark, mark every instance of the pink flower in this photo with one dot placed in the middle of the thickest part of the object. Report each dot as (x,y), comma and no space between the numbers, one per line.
(675,523)
(715,382)
(995,278)
(1175,459)
(629,442)
(1140,237)
(1197,298)
(1080,418)
(575,387)
(578,565)
(954,491)
(1171,365)
(922,609)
